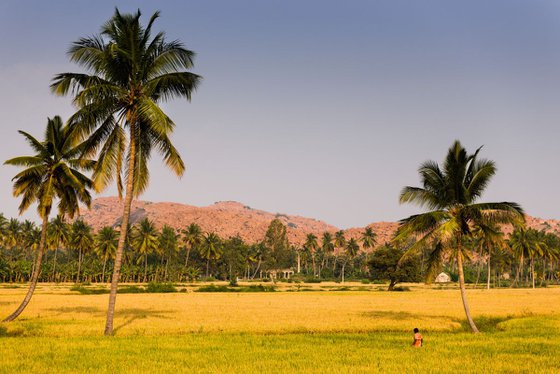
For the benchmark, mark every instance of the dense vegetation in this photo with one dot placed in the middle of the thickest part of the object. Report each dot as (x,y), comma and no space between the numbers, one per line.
(76,253)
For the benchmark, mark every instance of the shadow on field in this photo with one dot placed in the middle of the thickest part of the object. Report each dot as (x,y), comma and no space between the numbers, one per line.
(76,309)
(485,323)
(133,314)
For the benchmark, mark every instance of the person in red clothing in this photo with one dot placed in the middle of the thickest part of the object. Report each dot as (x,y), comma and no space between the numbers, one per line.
(418,340)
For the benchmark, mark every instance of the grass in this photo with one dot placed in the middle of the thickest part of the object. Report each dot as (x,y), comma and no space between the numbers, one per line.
(319,332)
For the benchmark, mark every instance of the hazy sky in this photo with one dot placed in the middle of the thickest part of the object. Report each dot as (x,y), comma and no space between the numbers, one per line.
(321,108)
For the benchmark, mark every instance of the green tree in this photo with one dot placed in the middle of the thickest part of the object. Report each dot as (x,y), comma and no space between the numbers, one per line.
(168,245)
(311,246)
(277,246)
(192,237)
(369,238)
(129,73)
(81,238)
(384,265)
(53,172)
(328,246)
(490,238)
(451,193)
(57,235)
(211,249)
(106,241)
(144,241)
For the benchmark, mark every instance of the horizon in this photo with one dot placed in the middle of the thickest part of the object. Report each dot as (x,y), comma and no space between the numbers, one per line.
(320,109)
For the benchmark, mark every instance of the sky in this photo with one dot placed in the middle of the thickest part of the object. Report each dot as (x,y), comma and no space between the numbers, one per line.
(319,108)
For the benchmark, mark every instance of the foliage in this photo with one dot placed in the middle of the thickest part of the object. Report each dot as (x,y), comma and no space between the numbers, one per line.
(384,265)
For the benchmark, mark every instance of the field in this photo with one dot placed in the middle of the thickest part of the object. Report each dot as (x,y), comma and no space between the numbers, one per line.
(355,329)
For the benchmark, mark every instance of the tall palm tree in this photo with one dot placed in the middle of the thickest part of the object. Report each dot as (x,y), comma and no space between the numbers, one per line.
(527,243)
(144,241)
(53,172)
(351,250)
(106,241)
(57,235)
(129,72)
(327,244)
(369,238)
(210,249)
(192,237)
(339,243)
(489,237)
(451,192)
(311,246)
(167,244)
(81,238)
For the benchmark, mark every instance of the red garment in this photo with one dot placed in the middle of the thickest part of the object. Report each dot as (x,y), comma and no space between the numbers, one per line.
(417,340)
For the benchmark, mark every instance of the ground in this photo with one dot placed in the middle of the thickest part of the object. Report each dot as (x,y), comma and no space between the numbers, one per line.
(306,328)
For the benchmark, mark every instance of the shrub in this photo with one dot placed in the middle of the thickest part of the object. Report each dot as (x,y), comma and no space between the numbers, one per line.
(160,287)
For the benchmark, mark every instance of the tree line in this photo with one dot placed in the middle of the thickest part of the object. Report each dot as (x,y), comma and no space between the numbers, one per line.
(77,253)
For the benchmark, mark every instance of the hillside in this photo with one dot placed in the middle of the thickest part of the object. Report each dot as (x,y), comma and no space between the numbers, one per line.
(229,218)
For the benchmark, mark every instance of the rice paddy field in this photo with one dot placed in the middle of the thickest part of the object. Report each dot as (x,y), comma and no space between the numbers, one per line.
(318,328)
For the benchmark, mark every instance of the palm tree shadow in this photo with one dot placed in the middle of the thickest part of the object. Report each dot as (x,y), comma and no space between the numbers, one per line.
(133,314)
(76,309)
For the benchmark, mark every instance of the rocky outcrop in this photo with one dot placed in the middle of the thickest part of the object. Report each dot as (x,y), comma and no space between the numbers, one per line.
(230,218)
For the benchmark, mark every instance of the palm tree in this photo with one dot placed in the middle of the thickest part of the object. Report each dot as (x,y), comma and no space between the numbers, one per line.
(192,237)
(211,249)
(129,74)
(52,172)
(527,243)
(57,235)
(144,241)
(311,246)
(167,244)
(12,235)
(339,243)
(369,238)
(351,250)
(489,237)
(327,244)
(106,242)
(451,192)
(81,238)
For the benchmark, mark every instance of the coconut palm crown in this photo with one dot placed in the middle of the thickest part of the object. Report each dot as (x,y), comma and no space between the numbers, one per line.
(451,193)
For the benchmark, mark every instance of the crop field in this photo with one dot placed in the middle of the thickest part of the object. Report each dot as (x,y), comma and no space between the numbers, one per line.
(313,328)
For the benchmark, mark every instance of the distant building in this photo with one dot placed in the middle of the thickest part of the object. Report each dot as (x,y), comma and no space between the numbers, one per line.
(443,278)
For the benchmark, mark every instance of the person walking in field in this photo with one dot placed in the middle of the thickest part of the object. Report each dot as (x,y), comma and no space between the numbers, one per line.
(418,340)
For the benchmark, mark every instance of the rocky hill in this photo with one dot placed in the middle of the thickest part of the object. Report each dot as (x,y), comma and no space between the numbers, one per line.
(229,218)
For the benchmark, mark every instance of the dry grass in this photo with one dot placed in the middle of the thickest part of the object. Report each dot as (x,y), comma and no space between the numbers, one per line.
(55,311)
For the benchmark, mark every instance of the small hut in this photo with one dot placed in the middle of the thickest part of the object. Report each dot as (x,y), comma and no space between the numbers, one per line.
(443,278)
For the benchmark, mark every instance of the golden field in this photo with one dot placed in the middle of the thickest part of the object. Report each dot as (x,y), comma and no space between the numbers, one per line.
(319,331)
(57,311)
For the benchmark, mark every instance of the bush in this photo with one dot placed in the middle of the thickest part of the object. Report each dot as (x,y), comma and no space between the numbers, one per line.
(251,288)
(88,291)
(160,287)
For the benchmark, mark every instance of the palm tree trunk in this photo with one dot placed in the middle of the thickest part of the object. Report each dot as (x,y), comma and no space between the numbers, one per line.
(488,280)
(187,256)
(124,229)
(298,262)
(54,262)
(207,266)
(462,287)
(343,268)
(533,271)
(79,265)
(145,267)
(103,274)
(477,271)
(36,272)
